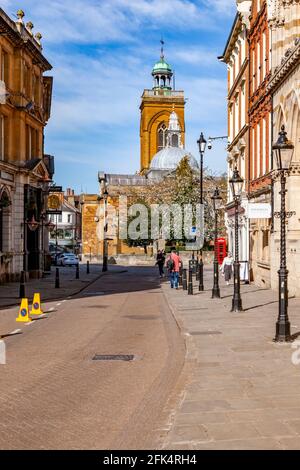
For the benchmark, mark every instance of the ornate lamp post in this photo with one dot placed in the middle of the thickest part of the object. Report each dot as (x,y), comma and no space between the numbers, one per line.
(217,203)
(105,263)
(202,146)
(236,182)
(283,150)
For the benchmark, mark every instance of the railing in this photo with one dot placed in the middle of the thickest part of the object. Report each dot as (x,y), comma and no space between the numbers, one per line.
(164,93)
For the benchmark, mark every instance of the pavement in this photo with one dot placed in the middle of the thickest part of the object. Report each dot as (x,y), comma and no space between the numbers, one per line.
(241,389)
(69,285)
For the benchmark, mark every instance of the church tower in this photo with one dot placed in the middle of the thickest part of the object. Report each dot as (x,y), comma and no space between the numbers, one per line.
(156,108)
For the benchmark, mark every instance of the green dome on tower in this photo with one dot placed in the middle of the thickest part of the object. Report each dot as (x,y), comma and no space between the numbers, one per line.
(161,66)
(162,73)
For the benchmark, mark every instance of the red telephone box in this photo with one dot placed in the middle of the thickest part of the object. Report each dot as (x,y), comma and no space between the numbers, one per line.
(221,249)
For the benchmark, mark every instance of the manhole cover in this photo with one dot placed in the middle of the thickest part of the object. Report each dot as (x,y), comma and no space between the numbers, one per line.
(113,357)
(200,333)
(142,317)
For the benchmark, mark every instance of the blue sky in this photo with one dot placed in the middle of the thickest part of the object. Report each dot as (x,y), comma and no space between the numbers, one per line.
(102,52)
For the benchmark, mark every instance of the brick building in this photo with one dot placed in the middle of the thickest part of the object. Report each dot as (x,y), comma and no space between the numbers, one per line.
(260,139)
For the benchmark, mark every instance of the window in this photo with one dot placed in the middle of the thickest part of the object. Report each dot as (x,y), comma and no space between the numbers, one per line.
(3,137)
(174,140)
(264,149)
(27,81)
(258,155)
(36,90)
(162,137)
(59,218)
(69,218)
(258,64)
(32,143)
(264,57)
(5,67)
(265,245)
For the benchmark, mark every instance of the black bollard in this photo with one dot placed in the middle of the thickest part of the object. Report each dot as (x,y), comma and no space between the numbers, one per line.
(190,286)
(184,279)
(197,270)
(77,271)
(88,267)
(180,276)
(22,294)
(201,286)
(57,283)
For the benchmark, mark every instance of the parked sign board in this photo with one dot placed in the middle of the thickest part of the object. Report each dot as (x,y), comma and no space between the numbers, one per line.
(259,210)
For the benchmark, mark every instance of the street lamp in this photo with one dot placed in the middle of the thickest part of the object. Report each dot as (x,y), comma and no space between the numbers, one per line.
(202,146)
(105,263)
(217,203)
(236,182)
(283,150)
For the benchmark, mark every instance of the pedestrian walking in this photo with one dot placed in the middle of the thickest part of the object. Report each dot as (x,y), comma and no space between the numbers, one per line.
(173,265)
(227,267)
(160,262)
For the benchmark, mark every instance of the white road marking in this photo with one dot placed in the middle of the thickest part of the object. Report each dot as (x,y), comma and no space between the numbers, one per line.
(15,332)
(58,305)
(2,353)
(63,301)
(51,309)
(30,323)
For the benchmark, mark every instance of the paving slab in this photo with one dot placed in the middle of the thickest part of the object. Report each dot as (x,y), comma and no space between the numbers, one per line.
(243,389)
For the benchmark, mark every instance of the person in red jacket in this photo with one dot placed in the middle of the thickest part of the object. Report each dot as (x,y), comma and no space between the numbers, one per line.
(173,265)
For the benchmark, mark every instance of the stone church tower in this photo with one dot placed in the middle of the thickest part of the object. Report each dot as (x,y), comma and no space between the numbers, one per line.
(156,108)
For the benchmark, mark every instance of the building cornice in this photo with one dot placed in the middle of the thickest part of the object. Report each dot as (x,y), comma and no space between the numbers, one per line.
(289,62)
(233,35)
(238,79)
(238,138)
(23,39)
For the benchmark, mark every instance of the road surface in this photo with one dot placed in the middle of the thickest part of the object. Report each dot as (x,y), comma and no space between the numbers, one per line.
(53,394)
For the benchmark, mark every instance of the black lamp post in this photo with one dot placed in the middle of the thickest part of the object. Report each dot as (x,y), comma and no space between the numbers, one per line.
(283,150)
(105,263)
(236,183)
(202,146)
(217,202)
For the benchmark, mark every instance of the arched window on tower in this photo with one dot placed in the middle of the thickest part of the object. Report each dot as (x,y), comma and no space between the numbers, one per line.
(162,132)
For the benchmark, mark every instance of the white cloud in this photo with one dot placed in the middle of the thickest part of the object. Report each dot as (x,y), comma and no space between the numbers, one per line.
(194,55)
(100,21)
(221,6)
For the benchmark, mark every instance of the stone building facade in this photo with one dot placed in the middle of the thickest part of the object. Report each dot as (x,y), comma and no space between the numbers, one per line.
(236,57)
(284,86)
(25,172)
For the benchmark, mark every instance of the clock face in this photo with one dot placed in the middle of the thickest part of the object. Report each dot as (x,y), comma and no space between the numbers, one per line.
(53,202)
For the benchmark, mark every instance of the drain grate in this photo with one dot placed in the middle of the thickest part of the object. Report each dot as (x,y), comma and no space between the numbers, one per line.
(200,333)
(113,357)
